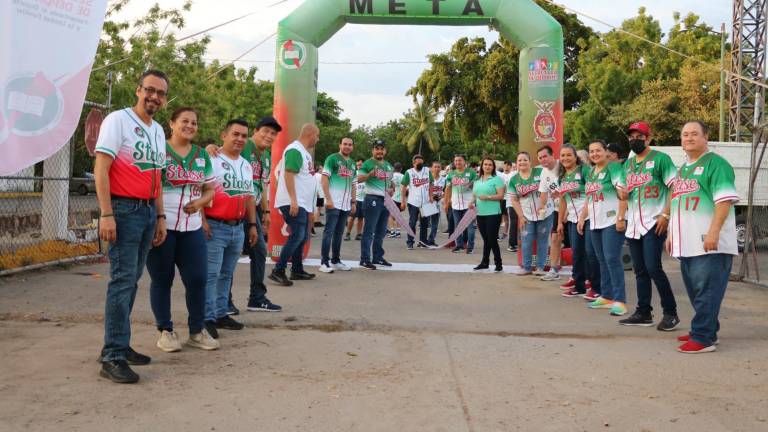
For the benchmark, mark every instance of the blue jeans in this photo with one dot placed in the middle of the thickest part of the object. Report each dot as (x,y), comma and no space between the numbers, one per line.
(374,229)
(188,251)
(135,224)
(538,231)
(414,214)
(646,259)
(706,278)
(258,255)
(335,222)
(468,236)
(579,254)
(434,222)
(224,249)
(593,264)
(293,248)
(608,244)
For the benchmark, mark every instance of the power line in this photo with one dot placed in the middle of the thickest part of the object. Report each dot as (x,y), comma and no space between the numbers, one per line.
(241,56)
(383,62)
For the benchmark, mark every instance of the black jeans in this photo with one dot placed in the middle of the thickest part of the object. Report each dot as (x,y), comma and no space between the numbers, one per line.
(258,255)
(414,215)
(489,231)
(646,259)
(512,222)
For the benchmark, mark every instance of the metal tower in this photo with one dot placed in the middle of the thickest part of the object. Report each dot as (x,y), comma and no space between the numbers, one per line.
(750,18)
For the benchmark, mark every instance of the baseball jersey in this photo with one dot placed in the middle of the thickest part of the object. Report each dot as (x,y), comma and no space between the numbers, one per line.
(341,179)
(696,189)
(381,179)
(359,191)
(138,151)
(488,186)
(397,178)
(319,192)
(297,159)
(461,187)
(437,190)
(603,201)
(234,186)
(648,187)
(418,185)
(261,163)
(549,183)
(527,192)
(183,180)
(572,190)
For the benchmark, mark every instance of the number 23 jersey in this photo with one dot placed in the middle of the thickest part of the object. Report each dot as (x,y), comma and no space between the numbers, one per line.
(648,187)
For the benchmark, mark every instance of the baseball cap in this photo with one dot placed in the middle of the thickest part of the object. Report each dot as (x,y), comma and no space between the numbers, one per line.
(269,121)
(615,148)
(640,127)
(379,143)
(417,156)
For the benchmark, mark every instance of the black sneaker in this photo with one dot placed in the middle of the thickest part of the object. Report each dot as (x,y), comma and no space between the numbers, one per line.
(210,326)
(669,323)
(347,237)
(638,319)
(279,277)
(481,267)
(302,275)
(422,246)
(383,262)
(367,265)
(358,237)
(227,323)
(232,309)
(457,250)
(118,371)
(499,268)
(132,358)
(263,306)
(409,247)
(469,251)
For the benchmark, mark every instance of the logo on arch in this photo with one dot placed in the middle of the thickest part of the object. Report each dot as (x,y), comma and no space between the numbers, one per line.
(293,54)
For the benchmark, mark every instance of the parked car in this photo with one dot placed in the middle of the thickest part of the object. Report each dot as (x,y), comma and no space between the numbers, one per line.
(83,185)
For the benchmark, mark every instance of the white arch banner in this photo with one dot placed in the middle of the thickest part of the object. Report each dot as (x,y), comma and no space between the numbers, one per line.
(47,49)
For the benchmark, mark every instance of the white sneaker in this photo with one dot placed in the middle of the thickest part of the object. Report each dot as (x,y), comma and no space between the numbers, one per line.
(169,341)
(552,275)
(203,340)
(325,268)
(538,272)
(340,266)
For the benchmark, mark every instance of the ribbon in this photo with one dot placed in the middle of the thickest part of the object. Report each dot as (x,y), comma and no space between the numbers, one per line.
(469,217)
(397,215)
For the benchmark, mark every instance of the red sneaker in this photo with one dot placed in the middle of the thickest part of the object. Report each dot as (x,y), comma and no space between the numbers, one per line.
(687,337)
(693,347)
(588,284)
(591,295)
(568,285)
(571,293)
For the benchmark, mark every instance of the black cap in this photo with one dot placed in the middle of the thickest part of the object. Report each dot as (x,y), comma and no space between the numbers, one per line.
(379,143)
(269,121)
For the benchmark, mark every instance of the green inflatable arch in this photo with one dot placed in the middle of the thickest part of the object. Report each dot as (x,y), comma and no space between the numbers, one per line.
(533,30)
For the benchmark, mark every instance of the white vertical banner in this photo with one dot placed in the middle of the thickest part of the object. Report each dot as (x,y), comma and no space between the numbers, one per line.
(47,49)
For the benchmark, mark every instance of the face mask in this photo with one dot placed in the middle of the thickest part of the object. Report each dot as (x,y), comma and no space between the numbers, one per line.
(637,145)
(419,166)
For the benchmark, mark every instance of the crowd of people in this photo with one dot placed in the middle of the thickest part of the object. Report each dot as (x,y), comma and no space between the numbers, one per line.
(167,204)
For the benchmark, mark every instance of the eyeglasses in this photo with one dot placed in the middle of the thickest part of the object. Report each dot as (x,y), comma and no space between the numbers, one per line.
(153,91)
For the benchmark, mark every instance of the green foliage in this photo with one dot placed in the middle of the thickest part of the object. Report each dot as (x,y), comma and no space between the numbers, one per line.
(421,127)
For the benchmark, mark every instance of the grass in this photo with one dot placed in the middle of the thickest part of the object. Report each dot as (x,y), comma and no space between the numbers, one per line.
(46,251)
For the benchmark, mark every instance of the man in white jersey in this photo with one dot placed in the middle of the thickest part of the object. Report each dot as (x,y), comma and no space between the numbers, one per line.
(702,233)
(648,174)
(296,200)
(130,156)
(415,186)
(548,188)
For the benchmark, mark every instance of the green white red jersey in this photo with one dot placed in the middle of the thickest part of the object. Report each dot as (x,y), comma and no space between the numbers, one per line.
(183,181)
(572,190)
(602,196)
(380,181)
(234,186)
(648,187)
(397,178)
(138,151)
(342,179)
(461,184)
(527,191)
(418,183)
(261,164)
(695,191)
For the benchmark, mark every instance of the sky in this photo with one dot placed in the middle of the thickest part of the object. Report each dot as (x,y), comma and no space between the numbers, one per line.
(372,94)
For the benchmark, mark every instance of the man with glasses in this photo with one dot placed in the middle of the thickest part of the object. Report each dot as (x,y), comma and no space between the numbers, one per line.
(130,156)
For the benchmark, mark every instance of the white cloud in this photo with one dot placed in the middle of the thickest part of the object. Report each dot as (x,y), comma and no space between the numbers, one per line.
(371,108)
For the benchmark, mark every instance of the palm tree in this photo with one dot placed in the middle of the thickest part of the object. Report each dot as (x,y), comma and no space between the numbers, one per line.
(421,125)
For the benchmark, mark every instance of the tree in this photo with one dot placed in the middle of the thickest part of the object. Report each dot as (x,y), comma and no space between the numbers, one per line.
(420,126)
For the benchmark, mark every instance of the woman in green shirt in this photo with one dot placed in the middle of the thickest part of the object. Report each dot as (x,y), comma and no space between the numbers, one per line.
(487,191)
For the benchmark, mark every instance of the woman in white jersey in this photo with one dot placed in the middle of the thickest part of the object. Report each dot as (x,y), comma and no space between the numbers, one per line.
(533,225)
(605,188)
(188,186)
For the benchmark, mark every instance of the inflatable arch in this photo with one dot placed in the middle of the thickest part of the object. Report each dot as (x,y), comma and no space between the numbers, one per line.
(533,30)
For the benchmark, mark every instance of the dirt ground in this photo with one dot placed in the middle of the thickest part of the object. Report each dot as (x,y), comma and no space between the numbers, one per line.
(382,351)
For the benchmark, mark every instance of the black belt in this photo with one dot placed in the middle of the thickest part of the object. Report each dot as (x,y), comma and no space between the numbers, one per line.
(233,222)
(147,202)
